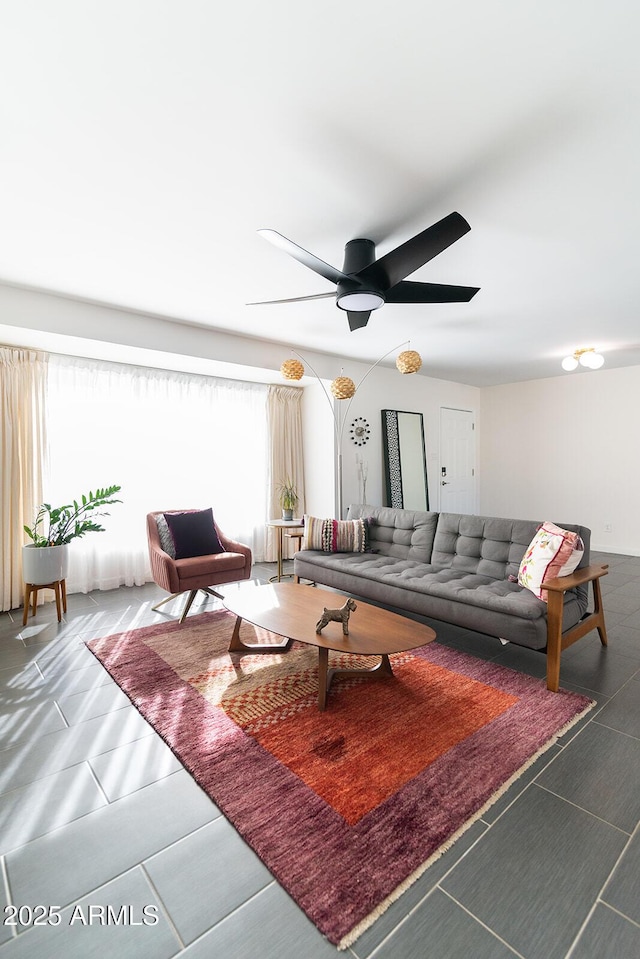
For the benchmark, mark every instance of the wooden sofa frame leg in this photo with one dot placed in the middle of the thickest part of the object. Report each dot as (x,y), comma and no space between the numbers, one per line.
(556,639)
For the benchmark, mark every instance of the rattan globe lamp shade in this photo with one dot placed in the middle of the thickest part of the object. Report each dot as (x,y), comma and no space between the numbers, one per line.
(409,361)
(292,370)
(343,388)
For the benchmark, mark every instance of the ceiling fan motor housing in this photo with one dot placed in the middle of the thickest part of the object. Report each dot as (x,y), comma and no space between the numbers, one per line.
(358,254)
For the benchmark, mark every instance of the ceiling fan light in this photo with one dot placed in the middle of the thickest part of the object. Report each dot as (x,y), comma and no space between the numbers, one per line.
(409,361)
(292,370)
(343,387)
(569,363)
(361,301)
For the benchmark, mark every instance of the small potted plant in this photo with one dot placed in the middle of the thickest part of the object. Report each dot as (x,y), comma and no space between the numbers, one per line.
(45,559)
(288,499)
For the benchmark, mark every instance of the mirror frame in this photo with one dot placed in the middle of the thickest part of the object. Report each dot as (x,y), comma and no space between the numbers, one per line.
(392,452)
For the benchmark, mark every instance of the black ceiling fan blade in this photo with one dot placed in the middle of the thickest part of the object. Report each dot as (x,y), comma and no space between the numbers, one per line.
(303,256)
(293,299)
(409,291)
(410,256)
(358,320)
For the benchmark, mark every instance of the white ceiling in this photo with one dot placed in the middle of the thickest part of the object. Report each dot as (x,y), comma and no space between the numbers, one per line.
(143,143)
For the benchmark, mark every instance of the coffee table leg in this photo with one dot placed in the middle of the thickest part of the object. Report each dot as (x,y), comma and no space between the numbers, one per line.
(238,646)
(323,677)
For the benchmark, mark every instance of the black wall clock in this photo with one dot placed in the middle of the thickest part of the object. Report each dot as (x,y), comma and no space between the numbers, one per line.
(359,431)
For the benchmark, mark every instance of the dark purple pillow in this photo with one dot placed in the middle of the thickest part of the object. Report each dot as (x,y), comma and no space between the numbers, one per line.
(193,533)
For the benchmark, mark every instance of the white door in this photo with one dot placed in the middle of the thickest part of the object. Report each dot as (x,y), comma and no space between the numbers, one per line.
(457,461)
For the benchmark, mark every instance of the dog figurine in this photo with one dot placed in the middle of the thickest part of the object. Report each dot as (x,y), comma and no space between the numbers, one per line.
(337,616)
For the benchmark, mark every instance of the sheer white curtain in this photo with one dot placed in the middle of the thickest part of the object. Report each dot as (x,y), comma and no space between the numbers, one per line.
(285,458)
(171,440)
(23,375)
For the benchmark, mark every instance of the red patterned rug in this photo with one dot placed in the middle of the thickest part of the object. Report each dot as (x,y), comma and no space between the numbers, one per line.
(348,807)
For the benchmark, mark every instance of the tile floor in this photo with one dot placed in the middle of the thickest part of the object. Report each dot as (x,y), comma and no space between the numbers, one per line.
(95,812)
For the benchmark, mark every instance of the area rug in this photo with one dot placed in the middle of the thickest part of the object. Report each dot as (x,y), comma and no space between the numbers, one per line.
(347,807)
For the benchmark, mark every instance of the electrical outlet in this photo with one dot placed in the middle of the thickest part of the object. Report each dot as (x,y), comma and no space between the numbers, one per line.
(608,528)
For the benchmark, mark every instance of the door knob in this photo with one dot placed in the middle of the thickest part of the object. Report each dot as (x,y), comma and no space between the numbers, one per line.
(445,483)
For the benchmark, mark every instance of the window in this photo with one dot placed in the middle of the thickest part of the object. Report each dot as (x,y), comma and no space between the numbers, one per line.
(171,440)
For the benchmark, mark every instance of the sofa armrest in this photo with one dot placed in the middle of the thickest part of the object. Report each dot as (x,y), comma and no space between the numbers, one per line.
(556,639)
(578,578)
(164,569)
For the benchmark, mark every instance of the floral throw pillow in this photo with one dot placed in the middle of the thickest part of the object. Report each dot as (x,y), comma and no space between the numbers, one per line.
(552,552)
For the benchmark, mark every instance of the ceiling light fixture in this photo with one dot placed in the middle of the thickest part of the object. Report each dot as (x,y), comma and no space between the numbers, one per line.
(360,301)
(586,357)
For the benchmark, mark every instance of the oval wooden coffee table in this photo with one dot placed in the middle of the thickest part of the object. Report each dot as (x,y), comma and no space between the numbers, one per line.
(292,611)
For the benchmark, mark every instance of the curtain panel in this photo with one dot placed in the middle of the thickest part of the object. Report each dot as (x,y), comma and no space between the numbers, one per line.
(23,378)
(171,440)
(285,457)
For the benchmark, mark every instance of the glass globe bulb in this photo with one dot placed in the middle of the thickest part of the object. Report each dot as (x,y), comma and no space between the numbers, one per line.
(569,363)
(592,360)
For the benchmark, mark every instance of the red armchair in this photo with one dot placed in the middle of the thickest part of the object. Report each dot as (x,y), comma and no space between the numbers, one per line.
(196,572)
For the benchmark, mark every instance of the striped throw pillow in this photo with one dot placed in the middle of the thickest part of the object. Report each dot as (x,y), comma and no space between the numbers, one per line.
(334,536)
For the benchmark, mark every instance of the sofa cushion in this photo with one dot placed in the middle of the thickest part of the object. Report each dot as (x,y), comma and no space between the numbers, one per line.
(553,551)
(401,533)
(193,533)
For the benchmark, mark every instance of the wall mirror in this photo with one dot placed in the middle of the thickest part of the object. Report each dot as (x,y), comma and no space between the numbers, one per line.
(405,460)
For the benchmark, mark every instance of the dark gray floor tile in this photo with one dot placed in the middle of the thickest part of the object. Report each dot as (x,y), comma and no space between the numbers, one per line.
(523,660)
(44,806)
(14,654)
(61,658)
(617,575)
(88,929)
(214,858)
(269,926)
(593,666)
(611,618)
(384,926)
(608,936)
(66,864)
(623,889)
(93,702)
(599,771)
(632,621)
(528,878)
(624,640)
(622,601)
(74,681)
(28,722)
(33,759)
(19,683)
(133,765)
(477,644)
(630,589)
(440,929)
(622,712)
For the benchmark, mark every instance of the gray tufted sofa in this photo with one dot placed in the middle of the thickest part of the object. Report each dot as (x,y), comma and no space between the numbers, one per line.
(456,568)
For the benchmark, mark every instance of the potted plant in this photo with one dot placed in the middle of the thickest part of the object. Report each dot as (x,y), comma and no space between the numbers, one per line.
(45,559)
(288,499)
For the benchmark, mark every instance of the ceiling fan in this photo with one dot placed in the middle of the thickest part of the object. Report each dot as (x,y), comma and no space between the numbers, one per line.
(365,284)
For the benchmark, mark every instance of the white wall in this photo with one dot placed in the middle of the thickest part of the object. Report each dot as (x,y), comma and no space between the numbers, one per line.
(566,449)
(414,393)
